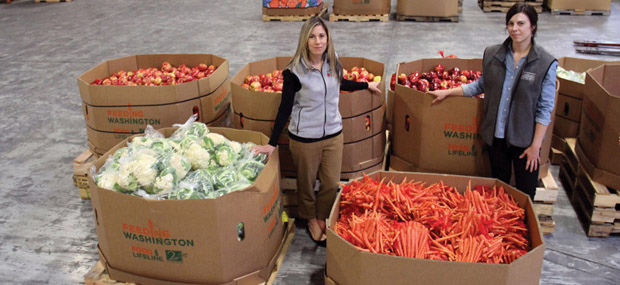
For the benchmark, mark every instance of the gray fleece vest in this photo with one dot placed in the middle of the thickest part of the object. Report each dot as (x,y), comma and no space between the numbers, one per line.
(526,91)
(315,111)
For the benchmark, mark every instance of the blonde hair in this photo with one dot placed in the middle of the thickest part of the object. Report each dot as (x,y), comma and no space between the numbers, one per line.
(303,51)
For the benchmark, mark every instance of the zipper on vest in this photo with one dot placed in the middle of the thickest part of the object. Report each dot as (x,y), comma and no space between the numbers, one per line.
(324,103)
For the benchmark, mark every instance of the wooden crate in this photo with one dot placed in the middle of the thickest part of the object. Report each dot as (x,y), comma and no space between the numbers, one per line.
(81,167)
(98,275)
(545,216)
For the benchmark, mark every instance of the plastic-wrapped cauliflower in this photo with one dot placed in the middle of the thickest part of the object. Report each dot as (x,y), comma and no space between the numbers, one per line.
(212,140)
(225,155)
(186,194)
(166,181)
(181,164)
(198,156)
(138,170)
(250,169)
(107,179)
(190,128)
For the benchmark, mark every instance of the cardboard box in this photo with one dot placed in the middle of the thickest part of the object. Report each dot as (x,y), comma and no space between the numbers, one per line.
(117,112)
(578,5)
(569,107)
(363,155)
(293,11)
(389,107)
(253,104)
(191,241)
(361,101)
(362,7)
(348,265)
(437,8)
(600,121)
(443,138)
(264,105)
(99,142)
(572,88)
(565,128)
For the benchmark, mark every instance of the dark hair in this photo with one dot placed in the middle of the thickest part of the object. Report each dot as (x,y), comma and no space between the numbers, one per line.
(526,9)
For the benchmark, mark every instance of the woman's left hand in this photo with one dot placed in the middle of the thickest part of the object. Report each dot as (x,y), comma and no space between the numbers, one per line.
(533,158)
(374,87)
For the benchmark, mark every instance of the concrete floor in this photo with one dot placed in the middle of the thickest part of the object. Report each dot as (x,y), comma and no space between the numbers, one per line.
(47,233)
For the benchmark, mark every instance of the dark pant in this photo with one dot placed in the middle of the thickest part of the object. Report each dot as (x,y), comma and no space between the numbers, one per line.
(504,158)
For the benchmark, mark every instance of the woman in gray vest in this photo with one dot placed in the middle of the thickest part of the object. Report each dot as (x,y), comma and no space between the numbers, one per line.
(518,83)
(310,95)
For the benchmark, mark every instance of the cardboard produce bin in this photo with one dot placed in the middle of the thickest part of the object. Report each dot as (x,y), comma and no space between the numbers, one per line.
(565,128)
(192,241)
(443,138)
(348,265)
(572,88)
(578,4)
(599,134)
(112,113)
(437,8)
(362,7)
(569,107)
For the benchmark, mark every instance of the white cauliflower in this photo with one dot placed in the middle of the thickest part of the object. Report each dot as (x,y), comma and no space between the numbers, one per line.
(140,168)
(198,156)
(164,183)
(107,179)
(181,164)
(212,140)
(236,146)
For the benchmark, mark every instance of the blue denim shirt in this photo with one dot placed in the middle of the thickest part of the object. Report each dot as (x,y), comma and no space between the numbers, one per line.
(545,102)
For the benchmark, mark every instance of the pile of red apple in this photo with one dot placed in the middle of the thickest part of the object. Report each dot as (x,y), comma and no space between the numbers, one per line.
(166,75)
(270,82)
(360,74)
(437,79)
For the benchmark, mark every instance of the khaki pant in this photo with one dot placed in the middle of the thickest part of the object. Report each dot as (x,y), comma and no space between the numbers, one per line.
(322,157)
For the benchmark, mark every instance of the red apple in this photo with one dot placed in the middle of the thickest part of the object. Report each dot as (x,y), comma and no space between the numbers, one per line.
(439,68)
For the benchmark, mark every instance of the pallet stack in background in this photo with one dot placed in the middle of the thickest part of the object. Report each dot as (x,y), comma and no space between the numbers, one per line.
(361,10)
(428,11)
(579,7)
(503,6)
(588,163)
(286,11)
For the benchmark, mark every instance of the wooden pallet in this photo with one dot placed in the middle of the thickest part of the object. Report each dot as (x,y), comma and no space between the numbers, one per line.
(426,18)
(556,156)
(545,216)
(81,167)
(292,18)
(580,12)
(359,18)
(504,6)
(98,275)
(547,190)
(51,1)
(596,206)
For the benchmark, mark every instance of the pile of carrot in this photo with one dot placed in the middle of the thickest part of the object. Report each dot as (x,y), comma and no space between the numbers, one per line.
(436,222)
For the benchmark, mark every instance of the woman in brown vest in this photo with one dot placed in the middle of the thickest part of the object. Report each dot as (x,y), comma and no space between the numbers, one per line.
(518,83)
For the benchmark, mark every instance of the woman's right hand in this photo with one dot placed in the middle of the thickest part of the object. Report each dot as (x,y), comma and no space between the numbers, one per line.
(439,95)
(268,149)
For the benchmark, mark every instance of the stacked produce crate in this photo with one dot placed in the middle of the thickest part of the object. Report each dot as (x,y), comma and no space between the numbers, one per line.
(120,97)
(361,10)
(426,11)
(277,10)
(597,153)
(578,7)
(503,6)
